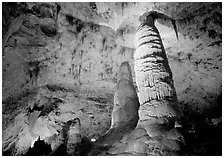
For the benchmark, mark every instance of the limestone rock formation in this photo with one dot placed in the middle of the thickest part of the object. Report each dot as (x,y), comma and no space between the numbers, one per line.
(126,104)
(64,58)
(125,110)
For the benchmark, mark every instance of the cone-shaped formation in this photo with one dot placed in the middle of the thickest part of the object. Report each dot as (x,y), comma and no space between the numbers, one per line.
(125,110)
(157,94)
(68,142)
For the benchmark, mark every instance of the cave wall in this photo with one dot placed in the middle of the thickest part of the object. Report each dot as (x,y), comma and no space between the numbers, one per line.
(84,52)
(81,53)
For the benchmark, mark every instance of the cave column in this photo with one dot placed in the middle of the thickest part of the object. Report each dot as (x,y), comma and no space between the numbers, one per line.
(157,95)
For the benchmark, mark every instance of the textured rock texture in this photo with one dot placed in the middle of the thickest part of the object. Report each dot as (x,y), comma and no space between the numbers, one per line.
(126,104)
(64,59)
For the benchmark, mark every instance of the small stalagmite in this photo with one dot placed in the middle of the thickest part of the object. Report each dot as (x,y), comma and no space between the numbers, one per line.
(125,111)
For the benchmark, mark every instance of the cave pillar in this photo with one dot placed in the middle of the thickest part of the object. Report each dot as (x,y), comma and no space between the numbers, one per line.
(157,95)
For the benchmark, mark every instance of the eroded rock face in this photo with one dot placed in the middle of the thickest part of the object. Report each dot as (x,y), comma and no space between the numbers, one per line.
(58,106)
(196,73)
(79,46)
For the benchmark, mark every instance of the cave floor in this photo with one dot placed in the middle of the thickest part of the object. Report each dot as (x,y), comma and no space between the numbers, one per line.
(92,107)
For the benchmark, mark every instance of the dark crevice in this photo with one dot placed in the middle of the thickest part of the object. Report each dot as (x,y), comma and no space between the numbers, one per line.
(70,19)
(93,5)
(218,43)
(40,148)
(49,30)
(148,35)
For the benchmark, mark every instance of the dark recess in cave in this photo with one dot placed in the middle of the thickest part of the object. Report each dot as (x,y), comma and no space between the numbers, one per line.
(70,19)
(40,148)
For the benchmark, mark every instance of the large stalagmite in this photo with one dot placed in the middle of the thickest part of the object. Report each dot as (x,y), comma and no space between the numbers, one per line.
(157,94)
